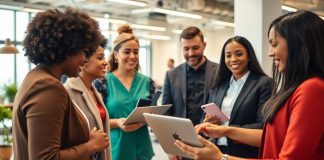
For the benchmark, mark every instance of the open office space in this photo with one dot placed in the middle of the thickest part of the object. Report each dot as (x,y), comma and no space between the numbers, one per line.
(158,27)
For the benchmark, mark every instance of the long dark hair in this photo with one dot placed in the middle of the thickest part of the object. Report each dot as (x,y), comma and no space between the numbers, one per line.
(304,34)
(224,73)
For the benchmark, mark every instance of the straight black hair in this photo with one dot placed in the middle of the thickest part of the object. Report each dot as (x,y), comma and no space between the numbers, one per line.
(304,34)
(224,73)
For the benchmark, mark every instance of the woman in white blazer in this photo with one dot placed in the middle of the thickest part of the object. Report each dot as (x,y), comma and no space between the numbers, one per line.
(87,98)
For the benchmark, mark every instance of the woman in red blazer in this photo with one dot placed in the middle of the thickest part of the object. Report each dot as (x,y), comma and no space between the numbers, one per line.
(294,113)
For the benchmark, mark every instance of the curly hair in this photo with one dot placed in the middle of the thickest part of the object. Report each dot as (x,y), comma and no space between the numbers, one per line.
(53,36)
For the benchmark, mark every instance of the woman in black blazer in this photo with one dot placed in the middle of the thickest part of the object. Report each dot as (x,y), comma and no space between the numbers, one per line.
(240,91)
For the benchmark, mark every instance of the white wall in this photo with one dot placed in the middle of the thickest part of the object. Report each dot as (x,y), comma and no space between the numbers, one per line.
(260,13)
(215,41)
(163,50)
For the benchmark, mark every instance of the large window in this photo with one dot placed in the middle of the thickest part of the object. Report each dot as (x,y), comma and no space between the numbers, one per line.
(14,67)
(7,25)
(145,57)
(22,64)
(7,61)
(6,69)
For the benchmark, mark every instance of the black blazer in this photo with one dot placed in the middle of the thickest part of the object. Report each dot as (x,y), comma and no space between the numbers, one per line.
(175,87)
(246,110)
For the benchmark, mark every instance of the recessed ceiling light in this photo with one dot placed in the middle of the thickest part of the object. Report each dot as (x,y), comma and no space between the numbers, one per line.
(129,2)
(287,8)
(156,37)
(222,23)
(168,12)
(147,27)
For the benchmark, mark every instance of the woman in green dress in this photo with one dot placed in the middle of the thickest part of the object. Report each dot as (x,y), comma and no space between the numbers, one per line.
(121,88)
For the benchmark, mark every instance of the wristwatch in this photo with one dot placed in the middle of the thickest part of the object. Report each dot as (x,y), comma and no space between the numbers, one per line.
(225,157)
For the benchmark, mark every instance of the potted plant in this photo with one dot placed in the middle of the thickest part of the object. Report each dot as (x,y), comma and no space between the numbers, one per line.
(10,91)
(5,133)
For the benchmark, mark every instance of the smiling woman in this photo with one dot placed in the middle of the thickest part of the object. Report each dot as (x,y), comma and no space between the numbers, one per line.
(121,88)
(278,49)
(241,90)
(84,94)
(236,59)
(46,123)
(294,113)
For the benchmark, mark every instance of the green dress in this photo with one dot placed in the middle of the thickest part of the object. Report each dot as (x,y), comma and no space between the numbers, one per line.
(134,145)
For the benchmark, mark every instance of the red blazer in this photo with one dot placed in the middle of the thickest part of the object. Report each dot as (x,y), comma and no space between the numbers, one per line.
(297,131)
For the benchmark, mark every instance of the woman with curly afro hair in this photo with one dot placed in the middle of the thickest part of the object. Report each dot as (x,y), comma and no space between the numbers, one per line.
(46,122)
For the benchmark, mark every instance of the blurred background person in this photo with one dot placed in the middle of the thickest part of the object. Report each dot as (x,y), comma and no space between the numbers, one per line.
(122,87)
(170,63)
(46,123)
(85,95)
(241,89)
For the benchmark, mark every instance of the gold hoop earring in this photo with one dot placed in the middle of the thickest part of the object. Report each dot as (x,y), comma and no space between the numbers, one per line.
(116,60)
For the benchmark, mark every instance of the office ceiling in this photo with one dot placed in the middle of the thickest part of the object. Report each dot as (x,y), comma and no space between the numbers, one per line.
(210,10)
(316,6)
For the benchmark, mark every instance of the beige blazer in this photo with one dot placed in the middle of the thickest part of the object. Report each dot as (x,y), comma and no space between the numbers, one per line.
(80,95)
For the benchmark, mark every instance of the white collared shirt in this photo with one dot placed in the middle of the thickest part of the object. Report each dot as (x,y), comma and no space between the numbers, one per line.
(229,101)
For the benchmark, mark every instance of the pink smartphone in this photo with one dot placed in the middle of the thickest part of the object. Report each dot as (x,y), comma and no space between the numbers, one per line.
(213,109)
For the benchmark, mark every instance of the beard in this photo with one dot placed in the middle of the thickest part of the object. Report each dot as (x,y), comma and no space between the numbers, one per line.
(197,59)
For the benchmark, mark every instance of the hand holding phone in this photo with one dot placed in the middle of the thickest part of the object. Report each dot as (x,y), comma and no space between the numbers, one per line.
(146,102)
(156,97)
(212,119)
(143,102)
(213,109)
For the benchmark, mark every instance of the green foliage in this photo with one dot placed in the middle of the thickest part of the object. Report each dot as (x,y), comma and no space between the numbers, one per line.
(10,91)
(2,97)
(5,113)
(5,132)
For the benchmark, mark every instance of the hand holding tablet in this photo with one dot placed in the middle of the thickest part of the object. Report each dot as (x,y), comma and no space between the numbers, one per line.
(137,114)
(130,127)
(168,129)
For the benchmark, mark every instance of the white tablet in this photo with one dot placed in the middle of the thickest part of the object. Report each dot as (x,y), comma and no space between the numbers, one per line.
(137,114)
(167,129)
